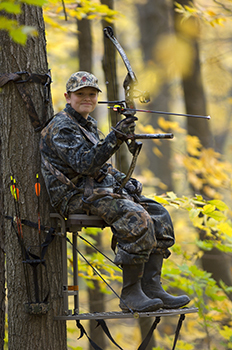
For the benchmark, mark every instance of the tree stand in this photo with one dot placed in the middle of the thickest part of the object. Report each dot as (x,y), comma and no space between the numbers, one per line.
(74,225)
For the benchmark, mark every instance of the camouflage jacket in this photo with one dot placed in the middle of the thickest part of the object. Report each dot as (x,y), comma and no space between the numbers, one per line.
(64,145)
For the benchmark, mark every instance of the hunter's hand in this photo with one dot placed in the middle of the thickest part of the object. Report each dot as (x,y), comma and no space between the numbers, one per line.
(133,186)
(125,127)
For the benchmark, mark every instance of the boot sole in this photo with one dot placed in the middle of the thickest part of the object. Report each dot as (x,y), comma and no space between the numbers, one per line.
(146,309)
(175,306)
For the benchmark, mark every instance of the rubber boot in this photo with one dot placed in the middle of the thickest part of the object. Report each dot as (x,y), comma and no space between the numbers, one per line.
(152,287)
(132,294)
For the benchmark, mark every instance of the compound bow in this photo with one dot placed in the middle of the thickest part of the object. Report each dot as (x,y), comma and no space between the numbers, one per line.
(127,107)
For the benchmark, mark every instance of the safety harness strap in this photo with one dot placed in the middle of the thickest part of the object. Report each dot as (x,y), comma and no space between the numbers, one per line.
(179,325)
(83,331)
(107,332)
(145,342)
(44,79)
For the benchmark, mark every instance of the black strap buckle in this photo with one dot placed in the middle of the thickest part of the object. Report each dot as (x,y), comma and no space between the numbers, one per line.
(22,80)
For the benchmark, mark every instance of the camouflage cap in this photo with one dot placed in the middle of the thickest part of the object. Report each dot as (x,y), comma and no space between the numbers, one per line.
(80,80)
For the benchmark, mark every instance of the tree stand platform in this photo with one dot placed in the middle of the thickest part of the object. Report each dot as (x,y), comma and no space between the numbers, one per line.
(74,224)
(118,314)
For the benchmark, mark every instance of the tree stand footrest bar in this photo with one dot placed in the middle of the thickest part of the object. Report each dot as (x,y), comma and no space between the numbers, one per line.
(119,314)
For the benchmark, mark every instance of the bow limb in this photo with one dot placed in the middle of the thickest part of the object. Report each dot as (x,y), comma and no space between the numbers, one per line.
(109,33)
(128,85)
(130,80)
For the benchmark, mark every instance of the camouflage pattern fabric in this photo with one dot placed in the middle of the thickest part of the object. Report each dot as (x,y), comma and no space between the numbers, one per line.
(79,80)
(140,228)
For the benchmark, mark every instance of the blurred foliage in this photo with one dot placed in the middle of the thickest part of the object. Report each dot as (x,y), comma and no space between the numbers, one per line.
(19,33)
(78,9)
(208,15)
(54,10)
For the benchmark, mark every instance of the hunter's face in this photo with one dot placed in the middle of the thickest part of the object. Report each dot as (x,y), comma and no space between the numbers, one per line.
(83,101)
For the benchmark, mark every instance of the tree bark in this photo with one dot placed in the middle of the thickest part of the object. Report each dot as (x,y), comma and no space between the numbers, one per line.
(154,22)
(21,158)
(2,261)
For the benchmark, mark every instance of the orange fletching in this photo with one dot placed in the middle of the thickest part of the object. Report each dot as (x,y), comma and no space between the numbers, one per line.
(37,189)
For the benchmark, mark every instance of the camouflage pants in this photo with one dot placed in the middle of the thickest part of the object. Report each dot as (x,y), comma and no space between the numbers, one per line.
(140,228)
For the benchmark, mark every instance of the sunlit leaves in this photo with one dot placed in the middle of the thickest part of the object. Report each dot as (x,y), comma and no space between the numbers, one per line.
(209,216)
(53,10)
(79,9)
(207,15)
(206,169)
(193,145)
(167,125)
(10,7)
(18,33)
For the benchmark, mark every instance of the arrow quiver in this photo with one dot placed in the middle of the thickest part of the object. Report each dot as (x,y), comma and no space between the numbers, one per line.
(34,264)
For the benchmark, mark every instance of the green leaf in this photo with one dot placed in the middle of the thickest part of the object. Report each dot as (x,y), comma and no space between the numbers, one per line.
(172,195)
(220,205)
(18,36)
(10,7)
(205,245)
(7,24)
(217,215)
(194,213)
(34,2)
(208,208)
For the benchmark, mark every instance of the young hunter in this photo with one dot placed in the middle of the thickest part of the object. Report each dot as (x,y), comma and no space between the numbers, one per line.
(78,178)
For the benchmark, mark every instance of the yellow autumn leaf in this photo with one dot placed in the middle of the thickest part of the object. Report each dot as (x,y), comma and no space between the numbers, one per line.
(162,186)
(157,152)
(148,129)
(211,13)
(193,145)
(169,125)
(160,200)
(195,181)
(225,228)
(190,9)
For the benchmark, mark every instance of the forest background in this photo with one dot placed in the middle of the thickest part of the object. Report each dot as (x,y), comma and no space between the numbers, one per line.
(183,58)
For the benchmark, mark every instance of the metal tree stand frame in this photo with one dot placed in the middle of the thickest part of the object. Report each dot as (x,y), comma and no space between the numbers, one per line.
(74,224)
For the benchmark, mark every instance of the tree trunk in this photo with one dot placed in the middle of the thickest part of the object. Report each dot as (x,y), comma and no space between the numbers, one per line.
(21,158)
(2,261)
(85,45)
(110,72)
(195,102)
(194,94)
(154,22)
(95,297)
